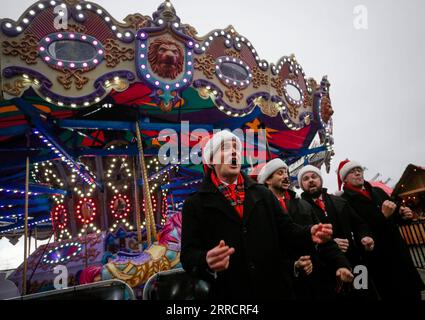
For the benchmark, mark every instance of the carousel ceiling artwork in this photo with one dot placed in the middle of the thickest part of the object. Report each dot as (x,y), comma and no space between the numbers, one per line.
(85,100)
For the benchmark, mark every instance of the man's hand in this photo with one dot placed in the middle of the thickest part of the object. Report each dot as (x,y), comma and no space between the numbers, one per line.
(321,233)
(388,208)
(304,263)
(344,275)
(406,213)
(218,258)
(368,243)
(343,244)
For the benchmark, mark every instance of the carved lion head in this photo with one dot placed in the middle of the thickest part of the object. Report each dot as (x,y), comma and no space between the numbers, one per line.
(166,58)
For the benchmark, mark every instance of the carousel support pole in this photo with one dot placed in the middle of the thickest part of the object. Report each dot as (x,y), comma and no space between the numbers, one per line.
(150,211)
(147,216)
(145,195)
(159,208)
(150,223)
(137,205)
(151,216)
(86,258)
(27,178)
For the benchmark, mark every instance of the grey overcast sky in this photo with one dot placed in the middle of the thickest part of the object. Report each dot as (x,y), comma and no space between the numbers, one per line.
(377,74)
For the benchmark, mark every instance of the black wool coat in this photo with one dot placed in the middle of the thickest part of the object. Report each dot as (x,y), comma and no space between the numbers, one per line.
(346,223)
(326,258)
(258,269)
(391,266)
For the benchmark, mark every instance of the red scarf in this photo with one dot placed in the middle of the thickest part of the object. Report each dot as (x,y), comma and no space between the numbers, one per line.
(363,192)
(235,194)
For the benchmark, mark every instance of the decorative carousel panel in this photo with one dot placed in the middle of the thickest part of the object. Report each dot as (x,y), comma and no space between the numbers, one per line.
(71,54)
(228,70)
(233,71)
(118,178)
(86,211)
(291,91)
(324,112)
(62,253)
(120,206)
(60,217)
(165,62)
(63,50)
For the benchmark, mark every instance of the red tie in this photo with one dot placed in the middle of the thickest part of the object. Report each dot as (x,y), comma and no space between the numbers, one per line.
(283,204)
(321,205)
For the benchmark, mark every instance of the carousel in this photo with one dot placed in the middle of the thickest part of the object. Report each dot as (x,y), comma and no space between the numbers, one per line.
(101,124)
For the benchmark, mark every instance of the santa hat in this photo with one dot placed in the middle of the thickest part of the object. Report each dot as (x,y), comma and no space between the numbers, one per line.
(214,144)
(270,168)
(304,170)
(344,168)
(255,171)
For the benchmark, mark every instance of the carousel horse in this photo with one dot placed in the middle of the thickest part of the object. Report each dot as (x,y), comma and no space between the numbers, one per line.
(136,268)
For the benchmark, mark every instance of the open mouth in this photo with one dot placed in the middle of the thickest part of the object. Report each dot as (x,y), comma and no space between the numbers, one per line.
(234,163)
(285,184)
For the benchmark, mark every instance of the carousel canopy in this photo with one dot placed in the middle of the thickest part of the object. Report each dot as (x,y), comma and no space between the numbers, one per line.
(75,81)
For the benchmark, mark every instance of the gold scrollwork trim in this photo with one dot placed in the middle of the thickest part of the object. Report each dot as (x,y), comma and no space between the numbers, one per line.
(26,48)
